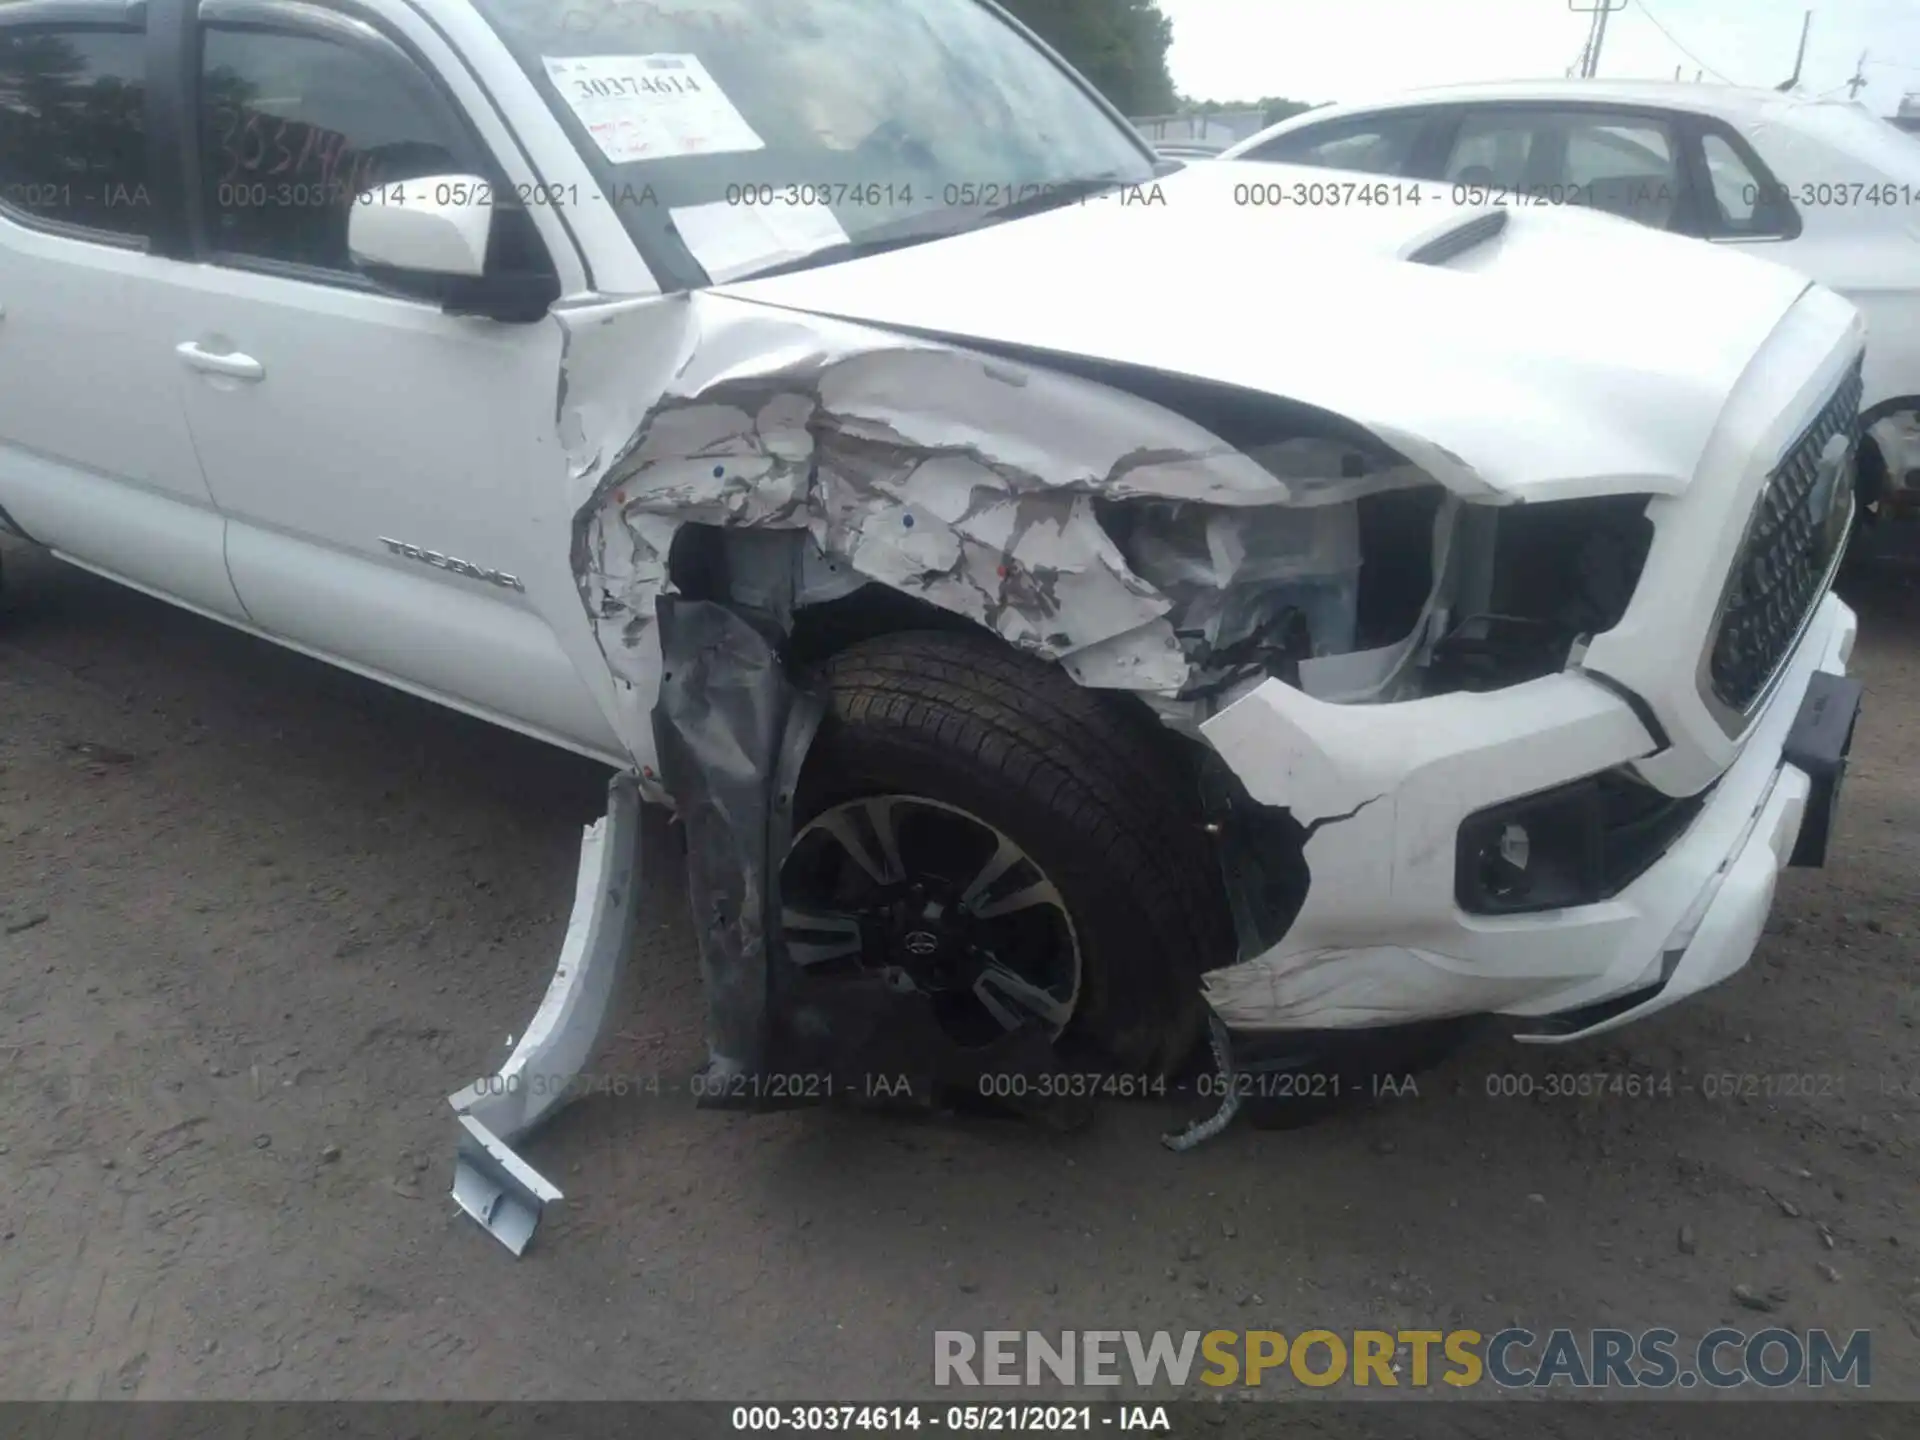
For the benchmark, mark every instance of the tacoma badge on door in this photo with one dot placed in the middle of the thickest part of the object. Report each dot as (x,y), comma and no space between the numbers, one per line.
(458,567)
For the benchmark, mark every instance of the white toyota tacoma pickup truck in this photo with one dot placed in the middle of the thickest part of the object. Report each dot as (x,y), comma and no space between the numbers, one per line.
(1420,612)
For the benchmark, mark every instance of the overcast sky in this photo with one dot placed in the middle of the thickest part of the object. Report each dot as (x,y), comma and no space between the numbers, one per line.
(1349,49)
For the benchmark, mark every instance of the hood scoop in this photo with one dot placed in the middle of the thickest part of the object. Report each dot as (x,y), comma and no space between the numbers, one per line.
(1456,238)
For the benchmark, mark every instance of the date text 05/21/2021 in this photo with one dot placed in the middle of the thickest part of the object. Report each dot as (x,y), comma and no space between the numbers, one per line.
(1000,1085)
(951,1419)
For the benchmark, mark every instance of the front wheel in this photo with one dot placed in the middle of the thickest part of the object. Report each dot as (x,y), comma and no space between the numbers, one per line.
(1011,841)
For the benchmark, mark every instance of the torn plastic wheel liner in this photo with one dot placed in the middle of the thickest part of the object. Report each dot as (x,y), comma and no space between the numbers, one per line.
(492,1183)
(733,731)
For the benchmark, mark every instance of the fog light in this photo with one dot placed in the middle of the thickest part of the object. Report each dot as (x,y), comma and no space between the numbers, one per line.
(1538,853)
(1505,865)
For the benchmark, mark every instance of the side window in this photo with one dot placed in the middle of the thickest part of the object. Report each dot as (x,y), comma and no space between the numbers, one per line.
(1491,148)
(73,135)
(293,127)
(1628,167)
(1742,203)
(1378,145)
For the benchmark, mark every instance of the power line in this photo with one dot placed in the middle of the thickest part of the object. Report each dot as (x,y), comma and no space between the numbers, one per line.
(1683,49)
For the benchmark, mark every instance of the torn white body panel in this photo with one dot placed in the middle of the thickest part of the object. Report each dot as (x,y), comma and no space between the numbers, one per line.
(1381,939)
(1432,756)
(968,481)
(963,421)
(973,480)
(491,1183)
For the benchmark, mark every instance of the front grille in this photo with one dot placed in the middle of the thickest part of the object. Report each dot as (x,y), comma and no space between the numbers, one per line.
(1783,565)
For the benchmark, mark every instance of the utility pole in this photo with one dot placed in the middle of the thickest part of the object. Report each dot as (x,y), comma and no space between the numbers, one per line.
(1799,58)
(1859,81)
(1600,35)
(1580,67)
(1596,33)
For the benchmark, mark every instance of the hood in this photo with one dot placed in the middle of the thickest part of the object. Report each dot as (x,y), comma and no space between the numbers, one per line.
(1566,352)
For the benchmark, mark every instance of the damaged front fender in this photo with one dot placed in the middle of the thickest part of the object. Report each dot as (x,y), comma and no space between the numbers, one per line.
(1382,791)
(972,482)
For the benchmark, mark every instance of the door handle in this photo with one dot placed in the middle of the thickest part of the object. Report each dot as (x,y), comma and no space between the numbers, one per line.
(234,365)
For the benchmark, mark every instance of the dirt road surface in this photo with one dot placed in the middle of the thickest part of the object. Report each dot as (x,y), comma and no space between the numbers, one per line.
(261,916)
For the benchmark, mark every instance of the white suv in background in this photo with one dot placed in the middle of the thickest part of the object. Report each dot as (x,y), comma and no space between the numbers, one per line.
(760,396)
(1825,186)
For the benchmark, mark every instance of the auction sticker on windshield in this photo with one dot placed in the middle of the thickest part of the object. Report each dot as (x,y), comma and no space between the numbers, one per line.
(733,240)
(646,107)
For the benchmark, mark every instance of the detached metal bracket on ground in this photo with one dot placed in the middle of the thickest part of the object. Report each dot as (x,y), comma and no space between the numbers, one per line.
(490,1182)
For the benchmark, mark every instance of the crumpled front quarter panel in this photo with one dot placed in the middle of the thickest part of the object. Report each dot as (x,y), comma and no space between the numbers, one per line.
(962,479)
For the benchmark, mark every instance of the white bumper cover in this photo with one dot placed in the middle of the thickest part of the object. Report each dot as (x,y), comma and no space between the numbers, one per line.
(1381,939)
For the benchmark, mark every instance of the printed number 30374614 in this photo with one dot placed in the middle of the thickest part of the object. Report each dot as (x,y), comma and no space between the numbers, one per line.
(615,86)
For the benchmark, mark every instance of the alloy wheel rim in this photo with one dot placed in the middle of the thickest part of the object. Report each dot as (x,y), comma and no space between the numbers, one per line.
(908,883)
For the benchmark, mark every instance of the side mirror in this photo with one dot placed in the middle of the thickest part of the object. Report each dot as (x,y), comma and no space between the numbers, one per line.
(433,238)
(436,225)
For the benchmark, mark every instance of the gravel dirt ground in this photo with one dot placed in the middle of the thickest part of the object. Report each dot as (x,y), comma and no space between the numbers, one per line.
(261,916)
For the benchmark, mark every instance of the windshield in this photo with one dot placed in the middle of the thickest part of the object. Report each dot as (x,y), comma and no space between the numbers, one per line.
(735,135)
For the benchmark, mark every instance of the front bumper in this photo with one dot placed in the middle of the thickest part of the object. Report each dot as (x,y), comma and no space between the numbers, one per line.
(1381,939)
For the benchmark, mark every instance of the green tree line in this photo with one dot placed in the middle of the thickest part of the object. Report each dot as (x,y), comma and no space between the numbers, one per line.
(1121,46)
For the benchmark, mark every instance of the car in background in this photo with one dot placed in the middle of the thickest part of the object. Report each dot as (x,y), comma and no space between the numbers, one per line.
(1183,153)
(1824,186)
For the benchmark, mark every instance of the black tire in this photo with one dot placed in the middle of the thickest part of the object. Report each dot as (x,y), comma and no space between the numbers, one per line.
(1089,792)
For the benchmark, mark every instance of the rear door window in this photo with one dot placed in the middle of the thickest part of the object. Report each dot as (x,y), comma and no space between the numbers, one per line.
(1743,201)
(1627,165)
(73,132)
(1376,144)
(1491,148)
